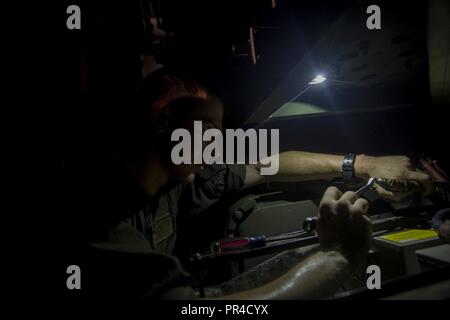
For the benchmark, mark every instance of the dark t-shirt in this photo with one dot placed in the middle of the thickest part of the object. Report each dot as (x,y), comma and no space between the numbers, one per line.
(125,238)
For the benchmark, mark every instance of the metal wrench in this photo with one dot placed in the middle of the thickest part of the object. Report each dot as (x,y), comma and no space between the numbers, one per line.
(368,186)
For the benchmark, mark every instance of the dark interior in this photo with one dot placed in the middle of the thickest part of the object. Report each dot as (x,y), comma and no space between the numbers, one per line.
(384,98)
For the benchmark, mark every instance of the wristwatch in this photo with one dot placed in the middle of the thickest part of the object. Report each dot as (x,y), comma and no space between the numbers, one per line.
(348,168)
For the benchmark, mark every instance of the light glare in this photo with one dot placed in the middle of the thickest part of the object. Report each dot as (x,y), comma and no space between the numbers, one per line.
(318,79)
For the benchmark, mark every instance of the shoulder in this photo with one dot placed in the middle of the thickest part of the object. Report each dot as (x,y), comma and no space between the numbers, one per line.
(219,178)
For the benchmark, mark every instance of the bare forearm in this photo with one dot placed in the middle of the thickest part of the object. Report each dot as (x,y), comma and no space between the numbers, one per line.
(306,166)
(318,276)
(301,166)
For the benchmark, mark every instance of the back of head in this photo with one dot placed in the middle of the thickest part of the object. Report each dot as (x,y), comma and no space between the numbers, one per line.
(157,93)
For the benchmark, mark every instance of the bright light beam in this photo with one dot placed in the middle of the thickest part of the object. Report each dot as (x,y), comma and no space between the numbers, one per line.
(318,79)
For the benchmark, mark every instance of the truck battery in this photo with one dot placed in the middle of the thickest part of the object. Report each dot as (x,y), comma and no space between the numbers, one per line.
(395,252)
(433,257)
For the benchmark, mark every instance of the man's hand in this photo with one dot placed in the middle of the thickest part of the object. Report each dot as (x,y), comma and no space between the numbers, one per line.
(392,167)
(343,225)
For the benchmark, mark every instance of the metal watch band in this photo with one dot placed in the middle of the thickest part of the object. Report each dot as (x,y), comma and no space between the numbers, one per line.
(348,169)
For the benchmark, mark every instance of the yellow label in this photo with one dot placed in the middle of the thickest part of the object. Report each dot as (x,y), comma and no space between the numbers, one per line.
(410,235)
